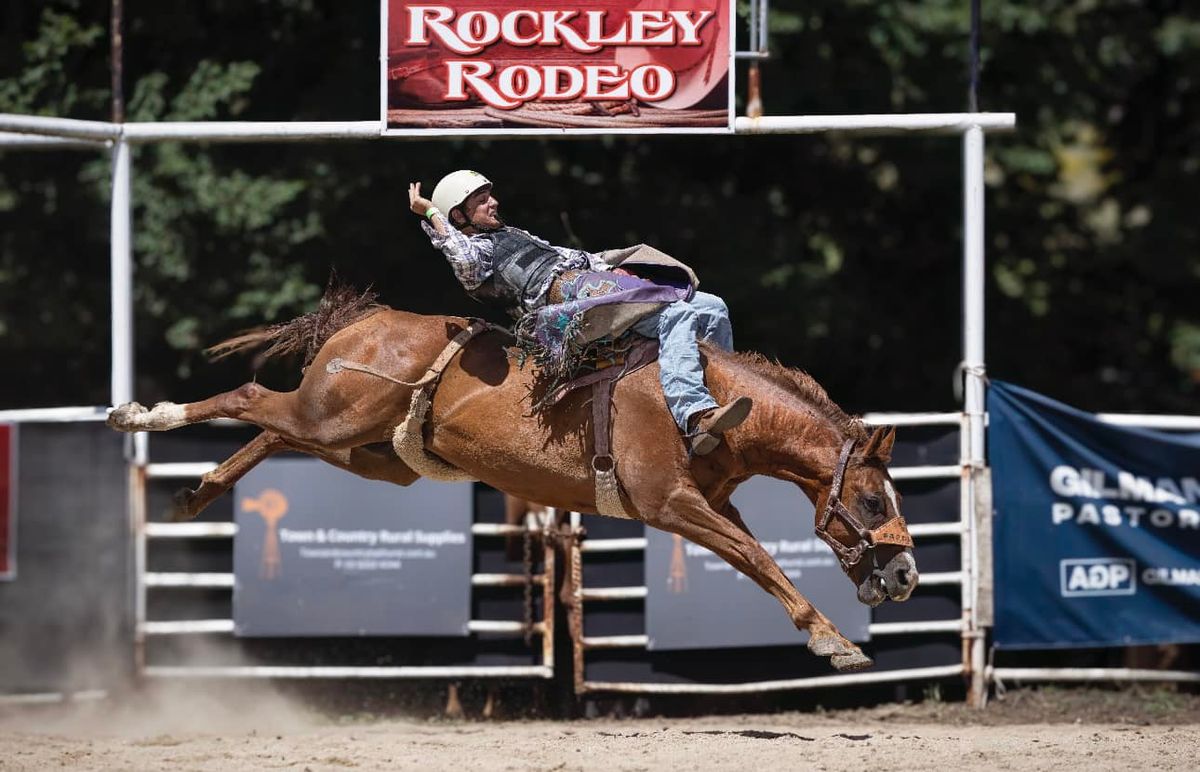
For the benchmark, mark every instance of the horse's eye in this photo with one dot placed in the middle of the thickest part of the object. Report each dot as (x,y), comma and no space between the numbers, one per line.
(873,504)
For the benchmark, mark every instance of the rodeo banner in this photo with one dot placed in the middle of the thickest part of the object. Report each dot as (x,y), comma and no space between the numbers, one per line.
(1097,528)
(513,66)
(321,552)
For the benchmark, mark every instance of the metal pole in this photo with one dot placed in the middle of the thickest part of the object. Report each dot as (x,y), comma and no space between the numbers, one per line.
(764,12)
(891,123)
(117,42)
(753,23)
(121,277)
(974,379)
(973,88)
(9,140)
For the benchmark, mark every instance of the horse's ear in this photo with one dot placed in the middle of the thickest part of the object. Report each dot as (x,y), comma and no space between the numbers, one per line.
(880,443)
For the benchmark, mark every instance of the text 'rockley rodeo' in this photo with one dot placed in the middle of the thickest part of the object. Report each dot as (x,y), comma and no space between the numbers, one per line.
(585,32)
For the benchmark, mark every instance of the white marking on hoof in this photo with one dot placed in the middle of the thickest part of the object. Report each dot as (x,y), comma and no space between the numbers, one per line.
(167,415)
(125,417)
(132,417)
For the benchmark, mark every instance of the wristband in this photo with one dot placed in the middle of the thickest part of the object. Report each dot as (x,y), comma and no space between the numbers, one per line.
(431,211)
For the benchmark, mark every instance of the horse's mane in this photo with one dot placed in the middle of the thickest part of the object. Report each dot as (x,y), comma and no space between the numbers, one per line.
(804,386)
(340,306)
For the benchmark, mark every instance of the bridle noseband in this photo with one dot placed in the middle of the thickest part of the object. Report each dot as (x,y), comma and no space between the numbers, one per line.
(893,531)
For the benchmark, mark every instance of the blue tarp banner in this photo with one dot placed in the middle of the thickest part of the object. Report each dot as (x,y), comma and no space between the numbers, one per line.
(1097,528)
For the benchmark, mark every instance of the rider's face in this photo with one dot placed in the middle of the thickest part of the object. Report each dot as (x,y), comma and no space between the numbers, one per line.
(482,210)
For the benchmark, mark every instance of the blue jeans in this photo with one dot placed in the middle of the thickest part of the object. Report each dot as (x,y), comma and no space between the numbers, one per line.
(678,327)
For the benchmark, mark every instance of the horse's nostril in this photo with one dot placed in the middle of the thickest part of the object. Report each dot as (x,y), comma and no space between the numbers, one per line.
(902,577)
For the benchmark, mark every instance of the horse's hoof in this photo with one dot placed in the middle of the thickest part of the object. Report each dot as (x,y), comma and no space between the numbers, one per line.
(123,418)
(848,663)
(181,505)
(829,645)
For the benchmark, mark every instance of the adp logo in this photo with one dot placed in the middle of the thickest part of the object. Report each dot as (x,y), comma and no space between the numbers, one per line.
(1097,576)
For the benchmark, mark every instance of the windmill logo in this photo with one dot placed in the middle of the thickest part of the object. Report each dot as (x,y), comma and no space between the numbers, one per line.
(271,505)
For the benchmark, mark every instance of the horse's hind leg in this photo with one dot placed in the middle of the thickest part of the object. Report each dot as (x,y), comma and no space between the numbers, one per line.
(288,414)
(688,514)
(133,417)
(189,503)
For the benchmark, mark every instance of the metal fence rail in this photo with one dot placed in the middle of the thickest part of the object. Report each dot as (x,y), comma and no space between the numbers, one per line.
(147,532)
(167,532)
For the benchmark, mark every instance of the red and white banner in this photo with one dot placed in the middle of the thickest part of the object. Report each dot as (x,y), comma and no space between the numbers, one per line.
(502,66)
(8,501)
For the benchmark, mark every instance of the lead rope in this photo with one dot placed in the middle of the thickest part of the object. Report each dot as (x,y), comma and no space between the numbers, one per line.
(575,620)
(337,364)
(456,344)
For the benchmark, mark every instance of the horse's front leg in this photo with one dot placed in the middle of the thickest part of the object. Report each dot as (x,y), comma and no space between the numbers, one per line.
(687,513)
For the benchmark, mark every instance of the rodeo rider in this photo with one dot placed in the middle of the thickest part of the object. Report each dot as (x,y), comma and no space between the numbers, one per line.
(491,259)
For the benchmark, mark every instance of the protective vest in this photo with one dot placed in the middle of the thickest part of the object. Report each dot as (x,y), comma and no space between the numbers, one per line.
(520,266)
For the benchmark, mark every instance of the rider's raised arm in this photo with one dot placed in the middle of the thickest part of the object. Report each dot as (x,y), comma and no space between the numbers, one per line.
(471,258)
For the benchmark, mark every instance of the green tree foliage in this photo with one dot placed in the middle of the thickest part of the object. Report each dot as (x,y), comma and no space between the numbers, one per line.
(839,254)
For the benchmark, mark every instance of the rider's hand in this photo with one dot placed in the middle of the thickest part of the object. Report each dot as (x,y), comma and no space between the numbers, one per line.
(418,204)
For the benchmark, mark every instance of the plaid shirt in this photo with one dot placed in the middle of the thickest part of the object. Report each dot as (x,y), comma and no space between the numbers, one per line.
(471,259)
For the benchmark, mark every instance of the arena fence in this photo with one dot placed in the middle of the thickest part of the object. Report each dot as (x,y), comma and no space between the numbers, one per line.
(58,132)
(971,579)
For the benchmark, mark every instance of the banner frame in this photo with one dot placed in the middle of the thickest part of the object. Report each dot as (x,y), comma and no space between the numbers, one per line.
(442,131)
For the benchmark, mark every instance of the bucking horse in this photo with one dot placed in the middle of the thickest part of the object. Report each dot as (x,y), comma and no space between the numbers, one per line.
(365,363)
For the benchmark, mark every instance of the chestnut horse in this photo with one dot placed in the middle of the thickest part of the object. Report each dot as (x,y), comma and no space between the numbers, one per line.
(480,423)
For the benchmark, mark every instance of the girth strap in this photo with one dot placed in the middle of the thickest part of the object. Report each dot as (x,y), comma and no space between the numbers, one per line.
(408,440)
(608,489)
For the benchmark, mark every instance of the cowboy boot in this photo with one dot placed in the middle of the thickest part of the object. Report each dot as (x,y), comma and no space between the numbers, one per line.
(710,425)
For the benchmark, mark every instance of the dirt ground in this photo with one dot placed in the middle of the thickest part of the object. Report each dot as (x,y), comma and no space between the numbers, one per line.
(251,728)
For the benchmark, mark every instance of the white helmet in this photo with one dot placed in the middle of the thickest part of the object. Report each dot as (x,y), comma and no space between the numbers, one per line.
(455,188)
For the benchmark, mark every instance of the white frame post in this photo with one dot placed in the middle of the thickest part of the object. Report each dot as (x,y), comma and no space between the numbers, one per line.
(974,406)
(121,275)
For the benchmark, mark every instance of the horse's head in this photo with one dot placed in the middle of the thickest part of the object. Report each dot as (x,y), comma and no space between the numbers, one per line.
(858,516)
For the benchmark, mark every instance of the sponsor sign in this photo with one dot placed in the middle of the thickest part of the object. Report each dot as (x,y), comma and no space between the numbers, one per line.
(1097,576)
(1097,529)
(695,600)
(320,551)
(521,66)
(8,501)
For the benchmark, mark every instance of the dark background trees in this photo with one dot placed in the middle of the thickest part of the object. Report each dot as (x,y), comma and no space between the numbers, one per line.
(837,254)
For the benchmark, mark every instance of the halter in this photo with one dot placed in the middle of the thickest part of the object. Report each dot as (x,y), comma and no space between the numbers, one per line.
(893,531)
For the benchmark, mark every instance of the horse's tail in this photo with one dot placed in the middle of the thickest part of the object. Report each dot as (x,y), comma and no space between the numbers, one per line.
(340,306)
